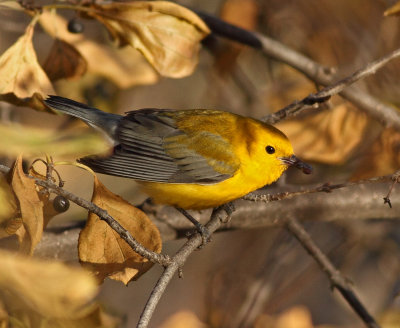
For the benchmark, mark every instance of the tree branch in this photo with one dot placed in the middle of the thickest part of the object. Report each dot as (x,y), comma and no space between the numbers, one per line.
(359,200)
(384,113)
(177,262)
(335,277)
(103,215)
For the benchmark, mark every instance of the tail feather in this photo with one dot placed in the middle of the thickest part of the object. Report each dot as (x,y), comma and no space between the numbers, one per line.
(94,117)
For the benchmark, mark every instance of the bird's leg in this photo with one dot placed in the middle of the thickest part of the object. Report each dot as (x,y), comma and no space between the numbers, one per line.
(205,234)
(229,208)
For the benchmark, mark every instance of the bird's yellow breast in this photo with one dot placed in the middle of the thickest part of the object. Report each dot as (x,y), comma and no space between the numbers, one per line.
(248,139)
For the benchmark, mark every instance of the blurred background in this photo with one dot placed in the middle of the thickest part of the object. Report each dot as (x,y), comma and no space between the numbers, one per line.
(263,277)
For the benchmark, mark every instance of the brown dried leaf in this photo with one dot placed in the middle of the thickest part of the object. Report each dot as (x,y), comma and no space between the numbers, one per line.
(103,251)
(34,102)
(393,10)
(8,204)
(20,72)
(327,137)
(31,208)
(167,34)
(51,289)
(124,67)
(64,61)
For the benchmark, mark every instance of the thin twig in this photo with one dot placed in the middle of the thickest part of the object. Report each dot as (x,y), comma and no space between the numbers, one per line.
(333,89)
(103,215)
(337,280)
(177,262)
(326,187)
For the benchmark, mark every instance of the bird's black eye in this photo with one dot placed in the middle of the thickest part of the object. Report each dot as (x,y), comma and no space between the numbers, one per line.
(270,149)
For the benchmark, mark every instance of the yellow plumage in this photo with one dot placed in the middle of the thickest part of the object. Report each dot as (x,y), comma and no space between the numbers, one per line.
(247,139)
(192,159)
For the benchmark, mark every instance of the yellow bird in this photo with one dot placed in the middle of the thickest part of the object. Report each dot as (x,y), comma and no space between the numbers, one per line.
(190,159)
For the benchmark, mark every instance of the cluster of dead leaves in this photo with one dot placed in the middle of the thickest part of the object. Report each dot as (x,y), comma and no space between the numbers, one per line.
(26,209)
(51,292)
(166,34)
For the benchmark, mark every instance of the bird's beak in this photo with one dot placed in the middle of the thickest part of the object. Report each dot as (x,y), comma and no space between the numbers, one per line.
(296,162)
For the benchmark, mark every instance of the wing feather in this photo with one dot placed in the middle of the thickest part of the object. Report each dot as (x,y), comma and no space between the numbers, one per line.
(153,148)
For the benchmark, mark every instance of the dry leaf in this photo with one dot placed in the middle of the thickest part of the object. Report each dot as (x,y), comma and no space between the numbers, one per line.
(103,251)
(35,142)
(31,208)
(20,73)
(8,205)
(9,223)
(393,10)
(124,67)
(327,137)
(64,62)
(51,289)
(167,34)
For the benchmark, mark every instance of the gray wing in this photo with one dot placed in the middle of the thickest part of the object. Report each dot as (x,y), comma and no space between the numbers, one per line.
(152,148)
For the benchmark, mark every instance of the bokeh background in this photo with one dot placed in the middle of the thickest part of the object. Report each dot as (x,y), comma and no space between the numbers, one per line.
(257,278)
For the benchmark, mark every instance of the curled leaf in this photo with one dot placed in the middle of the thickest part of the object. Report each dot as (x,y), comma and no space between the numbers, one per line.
(167,34)
(20,73)
(31,208)
(103,251)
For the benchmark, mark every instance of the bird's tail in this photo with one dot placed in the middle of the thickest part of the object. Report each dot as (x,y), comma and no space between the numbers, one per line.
(94,117)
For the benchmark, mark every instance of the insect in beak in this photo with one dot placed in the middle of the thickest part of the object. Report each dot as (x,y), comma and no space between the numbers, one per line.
(298,163)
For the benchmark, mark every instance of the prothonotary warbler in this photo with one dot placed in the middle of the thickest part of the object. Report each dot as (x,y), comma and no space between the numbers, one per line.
(191,159)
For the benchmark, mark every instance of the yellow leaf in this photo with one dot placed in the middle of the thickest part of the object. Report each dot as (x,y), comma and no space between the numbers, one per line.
(393,10)
(124,67)
(167,34)
(35,142)
(329,136)
(20,72)
(31,207)
(64,61)
(103,251)
(51,289)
